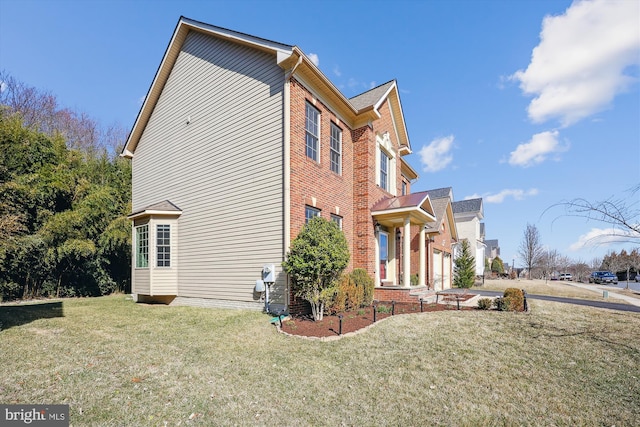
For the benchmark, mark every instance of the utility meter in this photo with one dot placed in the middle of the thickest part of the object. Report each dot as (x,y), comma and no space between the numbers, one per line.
(269,273)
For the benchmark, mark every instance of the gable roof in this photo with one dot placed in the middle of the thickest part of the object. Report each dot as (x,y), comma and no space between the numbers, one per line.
(442,207)
(470,206)
(440,193)
(359,110)
(372,96)
(417,205)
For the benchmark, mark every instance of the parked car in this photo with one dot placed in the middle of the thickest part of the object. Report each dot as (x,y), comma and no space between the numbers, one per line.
(593,278)
(603,277)
(637,277)
(566,276)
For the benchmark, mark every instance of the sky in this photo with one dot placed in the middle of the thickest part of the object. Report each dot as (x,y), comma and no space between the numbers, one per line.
(527,104)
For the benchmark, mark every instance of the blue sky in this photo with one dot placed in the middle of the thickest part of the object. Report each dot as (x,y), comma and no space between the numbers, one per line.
(524,103)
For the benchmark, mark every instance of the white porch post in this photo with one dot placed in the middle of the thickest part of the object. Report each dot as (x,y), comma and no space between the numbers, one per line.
(392,261)
(376,255)
(406,254)
(422,270)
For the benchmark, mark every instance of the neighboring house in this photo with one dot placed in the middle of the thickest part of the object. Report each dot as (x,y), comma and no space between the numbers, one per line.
(468,214)
(442,234)
(492,249)
(240,140)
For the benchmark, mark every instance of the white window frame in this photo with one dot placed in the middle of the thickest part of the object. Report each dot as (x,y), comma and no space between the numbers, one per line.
(337,219)
(335,149)
(163,245)
(385,148)
(310,212)
(311,124)
(142,250)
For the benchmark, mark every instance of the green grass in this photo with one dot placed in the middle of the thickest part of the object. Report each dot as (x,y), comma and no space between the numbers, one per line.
(119,363)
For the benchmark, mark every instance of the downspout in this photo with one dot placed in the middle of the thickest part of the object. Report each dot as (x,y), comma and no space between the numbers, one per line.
(287,165)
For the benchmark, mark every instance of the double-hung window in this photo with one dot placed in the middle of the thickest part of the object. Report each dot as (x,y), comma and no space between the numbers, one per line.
(309,213)
(163,245)
(336,149)
(142,246)
(384,170)
(312,132)
(337,219)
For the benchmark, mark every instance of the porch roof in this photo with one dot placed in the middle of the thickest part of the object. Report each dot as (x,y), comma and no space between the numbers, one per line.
(161,208)
(393,210)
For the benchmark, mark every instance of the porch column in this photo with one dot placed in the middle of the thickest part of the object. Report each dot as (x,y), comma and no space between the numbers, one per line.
(421,271)
(376,255)
(406,254)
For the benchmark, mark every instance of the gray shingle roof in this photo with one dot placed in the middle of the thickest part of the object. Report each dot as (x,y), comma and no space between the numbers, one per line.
(471,205)
(440,193)
(439,210)
(370,97)
(164,206)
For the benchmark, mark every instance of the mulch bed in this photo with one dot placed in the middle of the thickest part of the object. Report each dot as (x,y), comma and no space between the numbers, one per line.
(353,321)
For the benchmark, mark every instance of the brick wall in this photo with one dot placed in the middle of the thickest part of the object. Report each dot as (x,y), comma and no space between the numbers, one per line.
(349,195)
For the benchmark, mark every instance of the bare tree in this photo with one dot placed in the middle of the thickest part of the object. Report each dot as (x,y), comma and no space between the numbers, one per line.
(39,110)
(531,251)
(622,215)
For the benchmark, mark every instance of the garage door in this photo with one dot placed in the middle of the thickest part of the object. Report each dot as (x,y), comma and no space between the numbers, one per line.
(437,270)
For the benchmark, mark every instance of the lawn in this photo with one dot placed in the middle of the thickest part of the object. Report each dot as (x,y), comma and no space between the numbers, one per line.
(119,363)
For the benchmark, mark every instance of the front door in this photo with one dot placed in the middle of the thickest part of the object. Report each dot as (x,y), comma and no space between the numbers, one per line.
(384,254)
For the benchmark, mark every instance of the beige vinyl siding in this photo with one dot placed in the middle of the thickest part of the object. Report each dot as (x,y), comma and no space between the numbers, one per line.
(224,168)
(164,279)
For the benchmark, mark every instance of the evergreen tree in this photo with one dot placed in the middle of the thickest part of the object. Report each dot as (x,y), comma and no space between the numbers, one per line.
(497,266)
(317,258)
(465,268)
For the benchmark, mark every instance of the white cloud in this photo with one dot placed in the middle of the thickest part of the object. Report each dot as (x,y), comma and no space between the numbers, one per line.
(437,155)
(602,237)
(3,86)
(336,71)
(314,58)
(537,149)
(517,194)
(141,100)
(581,62)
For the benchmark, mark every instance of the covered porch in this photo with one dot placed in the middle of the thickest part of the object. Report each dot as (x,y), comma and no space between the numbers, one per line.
(392,219)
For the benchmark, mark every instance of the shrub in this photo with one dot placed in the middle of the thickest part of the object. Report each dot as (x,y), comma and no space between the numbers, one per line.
(513,300)
(414,279)
(502,304)
(364,281)
(485,303)
(516,298)
(354,290)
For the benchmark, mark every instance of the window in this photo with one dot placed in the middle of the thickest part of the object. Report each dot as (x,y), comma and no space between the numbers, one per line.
(404,188)
(309,213)
(336,149)
(384,170)
(312,128)
(383,241)
(142,246)
(163,245)
(337,219)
